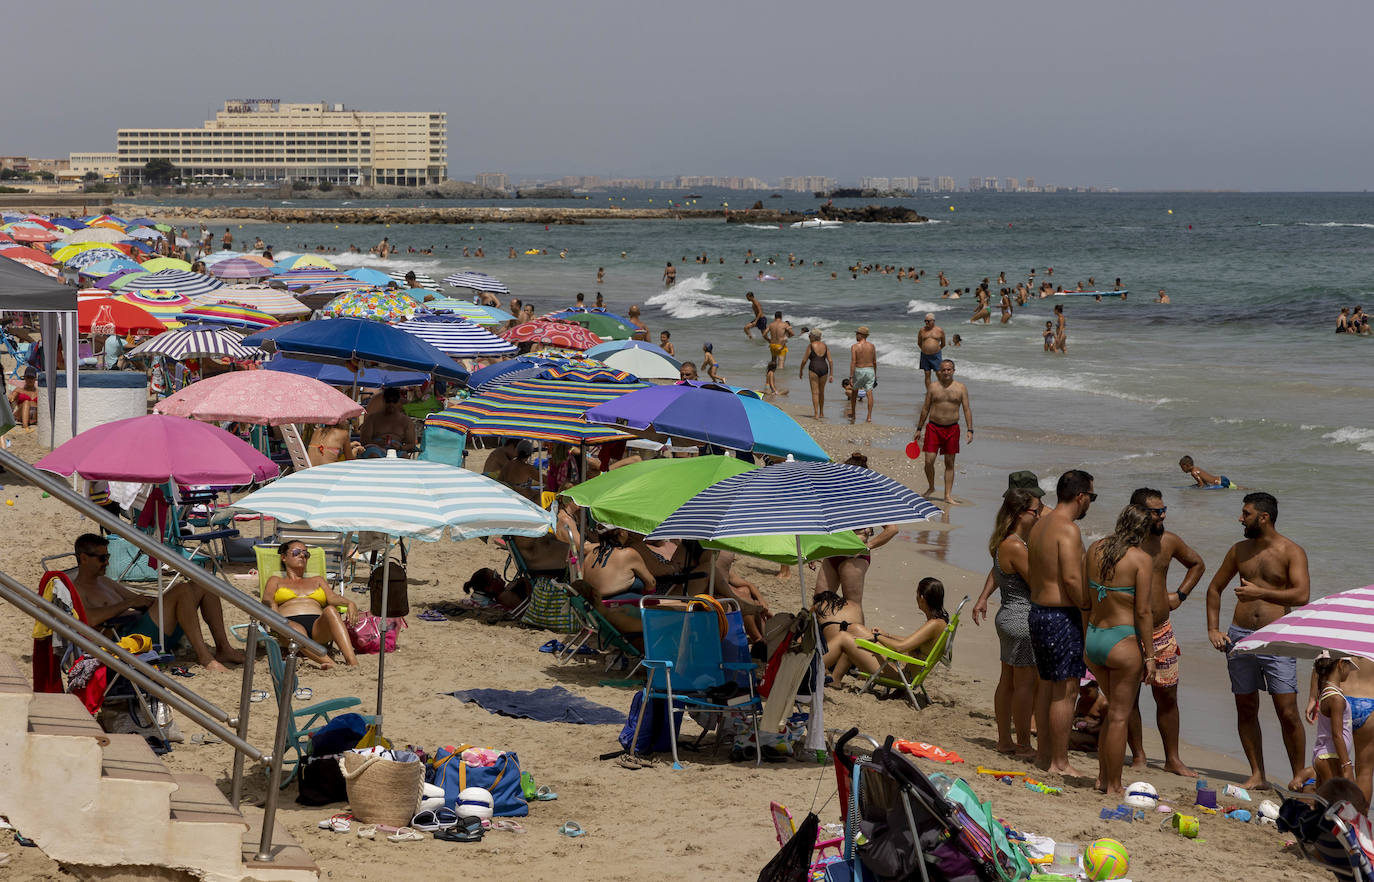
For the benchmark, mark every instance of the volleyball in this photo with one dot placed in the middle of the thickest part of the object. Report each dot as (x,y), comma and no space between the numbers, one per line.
(475,802)
(1142,795)
(1105,859)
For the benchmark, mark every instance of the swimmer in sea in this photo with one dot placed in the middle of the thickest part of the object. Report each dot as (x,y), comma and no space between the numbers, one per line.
(1203,479)
(1162,298)
(758,320)
(1049,336)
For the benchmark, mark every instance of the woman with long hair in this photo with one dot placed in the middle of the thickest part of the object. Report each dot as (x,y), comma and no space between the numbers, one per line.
(930,599)
(1014,698)
(1119,646)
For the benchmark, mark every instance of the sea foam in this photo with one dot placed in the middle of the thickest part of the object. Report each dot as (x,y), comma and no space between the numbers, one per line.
(1362,438)
(691,297)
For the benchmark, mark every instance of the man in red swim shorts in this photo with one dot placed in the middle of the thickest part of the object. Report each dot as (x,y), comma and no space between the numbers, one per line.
(944,399)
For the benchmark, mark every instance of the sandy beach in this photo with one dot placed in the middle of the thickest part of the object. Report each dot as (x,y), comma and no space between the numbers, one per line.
(711,817)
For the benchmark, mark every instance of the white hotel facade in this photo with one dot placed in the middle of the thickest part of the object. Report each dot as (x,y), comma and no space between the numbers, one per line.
(265,139)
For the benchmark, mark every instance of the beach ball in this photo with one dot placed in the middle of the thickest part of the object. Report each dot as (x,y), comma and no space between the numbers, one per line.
(1142,795)
(1105,859)
(475,802)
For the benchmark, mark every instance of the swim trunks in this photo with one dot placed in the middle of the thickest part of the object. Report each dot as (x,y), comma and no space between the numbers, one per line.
(761,323)
(931,362)
(941,439)
(776,349)
(1226,482)
(1274,674)
(1057,641)
(865,377)
(1166,655)
(145,625)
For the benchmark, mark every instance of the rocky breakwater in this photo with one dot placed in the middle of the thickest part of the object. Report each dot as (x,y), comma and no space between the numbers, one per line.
(868,214)
(529,214)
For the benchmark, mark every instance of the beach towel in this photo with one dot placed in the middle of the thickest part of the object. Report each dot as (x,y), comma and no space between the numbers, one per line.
(552,705)
(929,751)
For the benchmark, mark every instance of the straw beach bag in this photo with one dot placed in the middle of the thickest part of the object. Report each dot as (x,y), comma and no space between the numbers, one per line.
(382,791)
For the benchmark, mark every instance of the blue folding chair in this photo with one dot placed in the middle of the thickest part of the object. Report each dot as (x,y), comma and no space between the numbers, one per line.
(20,352)
(684,651)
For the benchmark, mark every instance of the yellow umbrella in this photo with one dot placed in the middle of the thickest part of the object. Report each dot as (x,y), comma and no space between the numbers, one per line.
(305,260)
(164,263)
(67,252)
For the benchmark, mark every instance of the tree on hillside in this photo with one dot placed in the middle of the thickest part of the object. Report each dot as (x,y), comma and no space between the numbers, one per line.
(159,170)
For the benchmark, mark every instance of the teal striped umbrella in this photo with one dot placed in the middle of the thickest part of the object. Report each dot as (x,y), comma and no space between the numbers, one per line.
(541,410)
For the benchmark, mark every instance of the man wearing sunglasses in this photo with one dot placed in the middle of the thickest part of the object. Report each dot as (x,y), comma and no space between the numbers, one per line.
(182,607)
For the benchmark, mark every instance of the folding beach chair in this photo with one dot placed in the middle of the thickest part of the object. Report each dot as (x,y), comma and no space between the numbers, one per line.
(305,721)
(20,352)
(905,674)
(592,624)
(1336,836)
(785,828)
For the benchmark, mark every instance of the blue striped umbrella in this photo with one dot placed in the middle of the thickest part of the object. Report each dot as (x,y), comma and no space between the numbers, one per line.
(543,410)
(477,282)
(458,338)
(196,341)
(482,315)
(338,286)
(421,281)
(180,281)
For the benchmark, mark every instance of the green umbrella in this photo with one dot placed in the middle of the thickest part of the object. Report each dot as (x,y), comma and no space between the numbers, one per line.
(166,228)
(638,497)
(782,549)
(603,326)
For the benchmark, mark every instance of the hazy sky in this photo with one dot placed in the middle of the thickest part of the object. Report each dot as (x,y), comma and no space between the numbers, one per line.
(1248,95)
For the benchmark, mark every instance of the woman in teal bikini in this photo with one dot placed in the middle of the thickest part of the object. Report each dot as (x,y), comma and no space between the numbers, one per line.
(1120,642)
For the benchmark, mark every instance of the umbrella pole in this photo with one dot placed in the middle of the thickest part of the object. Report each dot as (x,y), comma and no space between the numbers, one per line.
(815,725)
(711,582)
(381,655)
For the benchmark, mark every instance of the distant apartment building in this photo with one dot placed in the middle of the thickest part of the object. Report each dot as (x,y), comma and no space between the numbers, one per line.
(1011,185)
(925,185)
(975,184)
(908,184)
(33,164)
(492,180)
(102,165)
(807,183)
(945,184)
(266,139)
(875,184)
(990,183)
(1030,182)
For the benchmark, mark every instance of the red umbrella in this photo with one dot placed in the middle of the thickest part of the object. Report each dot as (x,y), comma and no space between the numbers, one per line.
(553,333)
(24,251)
(105,315)
(32,234)
(5,237)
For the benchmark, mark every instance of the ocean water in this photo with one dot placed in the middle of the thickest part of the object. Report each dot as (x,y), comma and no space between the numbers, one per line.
(1242,370)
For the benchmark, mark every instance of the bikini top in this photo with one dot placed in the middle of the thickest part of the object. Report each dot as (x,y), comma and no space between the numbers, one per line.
(1103,589)
(285,595)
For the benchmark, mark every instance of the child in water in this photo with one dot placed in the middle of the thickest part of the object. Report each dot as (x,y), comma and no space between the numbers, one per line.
(1049,336)
(769,384)
(709,363)
(1203,479)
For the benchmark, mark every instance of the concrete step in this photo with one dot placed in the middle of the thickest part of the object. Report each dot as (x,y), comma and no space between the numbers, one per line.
(13,678)
(290,861)
(62,714)
(130,757)
(197,800)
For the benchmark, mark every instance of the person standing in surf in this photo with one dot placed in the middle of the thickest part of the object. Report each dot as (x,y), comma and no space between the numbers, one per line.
(758,320)
(776,333)
(931,341)
(943,402)
(669,275)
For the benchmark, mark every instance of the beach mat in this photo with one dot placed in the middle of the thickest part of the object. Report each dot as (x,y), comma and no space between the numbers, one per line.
(552,705)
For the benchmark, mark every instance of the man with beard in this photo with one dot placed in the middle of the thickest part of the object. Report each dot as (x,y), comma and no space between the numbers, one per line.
(1273,580)
(1164,548)
(1055,548)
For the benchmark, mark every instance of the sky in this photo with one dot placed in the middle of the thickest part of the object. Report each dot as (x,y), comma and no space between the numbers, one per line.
(1258,95)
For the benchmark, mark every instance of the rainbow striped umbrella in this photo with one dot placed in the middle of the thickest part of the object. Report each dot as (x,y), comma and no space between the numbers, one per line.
(382,306)
(529,409)
(338,286)
(229,314)
(272,301)
(166,305)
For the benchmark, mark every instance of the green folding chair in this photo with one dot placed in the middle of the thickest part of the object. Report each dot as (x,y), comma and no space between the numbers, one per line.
(905,674)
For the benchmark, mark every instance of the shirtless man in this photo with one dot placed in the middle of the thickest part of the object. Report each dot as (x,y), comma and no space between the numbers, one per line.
(391,429)
(776,334)
(497,459)
(863,366)
(641,331)
(1055,548)
(942,405)
(758,320)
(1162,298)
(104,599)
(1164,548)
(931,340)
(1273,580)
(519,474)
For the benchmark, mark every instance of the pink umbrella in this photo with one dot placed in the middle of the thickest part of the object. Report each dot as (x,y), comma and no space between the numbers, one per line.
(156,448)
(272,398)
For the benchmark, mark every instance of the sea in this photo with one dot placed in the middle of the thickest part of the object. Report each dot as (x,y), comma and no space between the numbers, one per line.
(1242,370)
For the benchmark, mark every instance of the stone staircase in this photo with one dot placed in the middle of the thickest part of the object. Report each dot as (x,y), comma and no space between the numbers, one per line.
(107,805)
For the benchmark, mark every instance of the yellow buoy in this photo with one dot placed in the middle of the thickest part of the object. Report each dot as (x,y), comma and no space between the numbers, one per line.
(1171,211)
(951,208)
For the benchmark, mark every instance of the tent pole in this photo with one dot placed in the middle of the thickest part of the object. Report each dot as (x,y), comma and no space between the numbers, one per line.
(381,654)
(815,725)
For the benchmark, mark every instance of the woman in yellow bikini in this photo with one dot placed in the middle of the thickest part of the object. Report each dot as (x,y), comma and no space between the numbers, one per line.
(309,604)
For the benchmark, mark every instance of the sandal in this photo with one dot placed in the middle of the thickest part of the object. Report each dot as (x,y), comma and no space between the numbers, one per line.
(304,693)
(339,823)
(468,829)
(572,830)
(552,646)
(432,821)
(508,824)
(433,615)
(544,794)
(368,832)
(405,834)
(629,761)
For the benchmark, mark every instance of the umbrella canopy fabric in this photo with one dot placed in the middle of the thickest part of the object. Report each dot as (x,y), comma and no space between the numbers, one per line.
(67,252)
(399,497)
(23,233)
(46,269)
(180,281)
(783,549)
(477,282)
(539,410)
(603,324)
(610,346)
(644,363)
(550,333)
(369,276)
(305,278)
(92,256)
(22,288)
(421,281)
(158,264)
(228,314)
(165,306)
(15,252)
(114,264)
(638,497)
(340,286)
(382,306)
(303,261)
(349,339)
(458,338)
(482,315)
(196,341)
(270,398)
(338,375)
(238,268)
(155,449)
(792,498)
(105,315)
(711,415)
(269,300)
(1341,623)
(94,234)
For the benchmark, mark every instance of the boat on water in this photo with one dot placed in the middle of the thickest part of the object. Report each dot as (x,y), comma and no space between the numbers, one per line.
(816,223)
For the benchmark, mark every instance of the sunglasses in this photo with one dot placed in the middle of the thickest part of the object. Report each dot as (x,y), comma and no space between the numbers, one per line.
(298,552)
(1158,511)
(1092,497)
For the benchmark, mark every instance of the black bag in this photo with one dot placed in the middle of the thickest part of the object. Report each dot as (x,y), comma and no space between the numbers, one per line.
(397,591)
(792,863)
(657,731)
(321,781)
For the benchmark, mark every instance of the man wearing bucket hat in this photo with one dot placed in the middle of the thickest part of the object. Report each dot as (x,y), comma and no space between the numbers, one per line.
(863,367)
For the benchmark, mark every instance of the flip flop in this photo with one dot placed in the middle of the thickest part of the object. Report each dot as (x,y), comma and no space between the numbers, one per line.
(368,832)
(508,825)
(544,794)
(629,761)
(304,693)
(180,671)
(432,821)
(257,695)
(551,646)
(433,615)
(405,834)
(572,830)
(340,823)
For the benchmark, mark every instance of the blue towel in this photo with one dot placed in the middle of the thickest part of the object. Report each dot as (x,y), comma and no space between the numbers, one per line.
(552,705)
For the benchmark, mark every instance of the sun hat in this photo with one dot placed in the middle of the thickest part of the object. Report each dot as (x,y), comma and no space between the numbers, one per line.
(862,329)
(1025,480)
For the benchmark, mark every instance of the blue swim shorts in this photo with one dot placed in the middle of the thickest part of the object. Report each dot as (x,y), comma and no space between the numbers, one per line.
(931,362)
(1274,674)
(1056,634)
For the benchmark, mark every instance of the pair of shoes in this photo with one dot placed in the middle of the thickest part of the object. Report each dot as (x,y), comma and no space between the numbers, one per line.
(468,829)
(432,821)
(339,823)
(405,834)
(632,762)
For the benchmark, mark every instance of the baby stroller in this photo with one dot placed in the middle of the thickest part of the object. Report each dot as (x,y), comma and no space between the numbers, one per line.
(901,825)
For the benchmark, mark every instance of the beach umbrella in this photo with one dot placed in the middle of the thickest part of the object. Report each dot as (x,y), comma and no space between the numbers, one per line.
(539,410)
(638,497)
(369,276)
(617,345)
(334,287)
(238,268)
(602,324)
(108,219)
(643,363)
(302,261)
(157,264)
(421,281)
(46,269)
(195,341)
(15,252)
(473,312)
(94,235)
(382,306)
(111,265)
(166,306)
(155,449)
(181,281)
(31,233)
(68,223)
(1341,623)
(95,255)
(372,343)
(112,280)
(304,278)
(713,415)
(551,333)
(401,498)
(340,375)
(483,379)
(144,233)
(272,301)
(105,315)
(232,314)
(143,222)
(39,220)
(477,282)
(458,338)
(272,398)
(67,252)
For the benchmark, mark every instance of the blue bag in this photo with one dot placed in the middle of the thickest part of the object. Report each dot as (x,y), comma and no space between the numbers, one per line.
(502,781)
(657,732)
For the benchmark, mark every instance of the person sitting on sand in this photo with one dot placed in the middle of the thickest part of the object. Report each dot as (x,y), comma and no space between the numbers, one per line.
(1120,636)
(392,429)
(24,398)
(837,616)
(614,568)
(309,604)
(545,555)
(105,599)
(1203,479)
(844,653)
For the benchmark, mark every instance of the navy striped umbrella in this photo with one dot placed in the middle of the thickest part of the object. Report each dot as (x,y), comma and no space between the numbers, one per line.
(180,281)
(458,338)
(196,341)
(477,282)
(421,281)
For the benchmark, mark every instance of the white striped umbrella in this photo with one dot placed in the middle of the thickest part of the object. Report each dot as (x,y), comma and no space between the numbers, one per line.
(459,338)
(421,281)
(399,497)
(196,341)
(272,301)
(1342,623)
(180,281)
(477,282)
